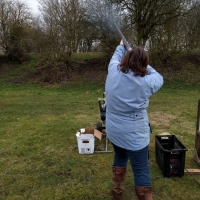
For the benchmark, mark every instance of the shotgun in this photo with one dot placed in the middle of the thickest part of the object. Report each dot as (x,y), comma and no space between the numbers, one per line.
(123,38)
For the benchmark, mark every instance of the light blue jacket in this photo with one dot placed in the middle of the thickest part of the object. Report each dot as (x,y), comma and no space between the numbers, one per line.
(127,97)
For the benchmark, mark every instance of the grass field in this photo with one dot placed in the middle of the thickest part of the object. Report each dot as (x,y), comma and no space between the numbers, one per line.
(38,148)
(39,157)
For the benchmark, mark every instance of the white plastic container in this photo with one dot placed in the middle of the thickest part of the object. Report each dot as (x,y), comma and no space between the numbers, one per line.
(85,143)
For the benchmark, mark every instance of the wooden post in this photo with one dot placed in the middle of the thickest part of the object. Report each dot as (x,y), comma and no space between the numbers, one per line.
(197,137)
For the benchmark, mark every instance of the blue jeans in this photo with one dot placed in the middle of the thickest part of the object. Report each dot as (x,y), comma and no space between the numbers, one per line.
(139,163)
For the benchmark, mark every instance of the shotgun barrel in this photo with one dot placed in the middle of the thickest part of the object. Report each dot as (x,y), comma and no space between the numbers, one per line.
(123,38)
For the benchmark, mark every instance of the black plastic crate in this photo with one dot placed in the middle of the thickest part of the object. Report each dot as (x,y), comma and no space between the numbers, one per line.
(170,155)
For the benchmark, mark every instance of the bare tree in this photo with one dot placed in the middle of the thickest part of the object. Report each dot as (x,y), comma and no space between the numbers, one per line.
(145,15)
(101,15)
(63,23)
(5,20)
(15,21)
(178,34)
(73,23)
(192,27)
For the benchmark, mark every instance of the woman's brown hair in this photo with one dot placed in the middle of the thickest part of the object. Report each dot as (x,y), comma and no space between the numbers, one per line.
(136,60)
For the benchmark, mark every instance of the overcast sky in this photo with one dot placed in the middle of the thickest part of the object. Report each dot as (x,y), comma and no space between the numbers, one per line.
(33,4)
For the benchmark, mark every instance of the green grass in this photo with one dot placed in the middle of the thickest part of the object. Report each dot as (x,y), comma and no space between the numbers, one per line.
(86,56)
(38,148)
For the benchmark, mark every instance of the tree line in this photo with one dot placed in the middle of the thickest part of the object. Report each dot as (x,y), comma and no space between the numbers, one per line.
(63,27)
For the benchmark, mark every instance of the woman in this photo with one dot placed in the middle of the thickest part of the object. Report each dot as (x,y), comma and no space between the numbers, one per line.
(130,83)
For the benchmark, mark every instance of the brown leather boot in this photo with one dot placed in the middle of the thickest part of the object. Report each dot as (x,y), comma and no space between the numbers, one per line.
(143,192)
(118,180)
